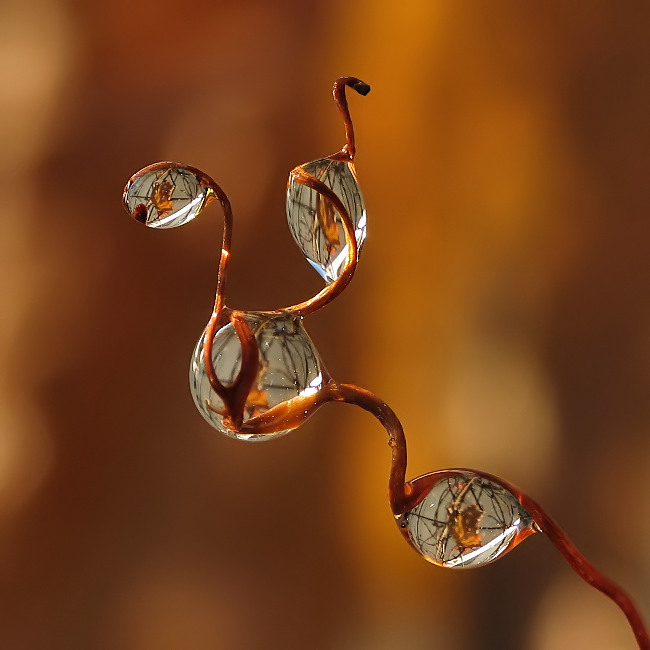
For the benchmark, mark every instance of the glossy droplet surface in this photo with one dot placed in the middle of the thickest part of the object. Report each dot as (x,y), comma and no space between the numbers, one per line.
(164,195)
(464,521)
(314,222)
(289,367)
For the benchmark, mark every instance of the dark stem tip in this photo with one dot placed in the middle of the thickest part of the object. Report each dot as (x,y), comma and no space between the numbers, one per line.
(360,86)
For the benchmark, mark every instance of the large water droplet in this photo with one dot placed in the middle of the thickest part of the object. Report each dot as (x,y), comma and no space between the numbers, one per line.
(314,222)
(164,195)
(289,367)
(465,520)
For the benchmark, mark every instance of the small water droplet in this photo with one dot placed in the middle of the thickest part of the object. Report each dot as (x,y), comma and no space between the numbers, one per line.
(465,520)
(314,222)
(289,367)
(164,195)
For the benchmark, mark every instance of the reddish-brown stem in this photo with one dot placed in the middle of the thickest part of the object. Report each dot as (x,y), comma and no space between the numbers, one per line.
(233,405)
(584,568)
(288,414)
(225,245)
(293,412)
(405,496)
(299,175)
(397,488)
(349,150)
(236,394)
(546,524)
(210,329)
(328,293)
(233,396)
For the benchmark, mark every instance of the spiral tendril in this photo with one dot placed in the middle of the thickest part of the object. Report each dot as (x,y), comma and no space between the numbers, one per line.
(452,517)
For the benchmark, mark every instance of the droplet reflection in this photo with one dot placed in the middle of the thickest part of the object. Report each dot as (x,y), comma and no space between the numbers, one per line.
(164,195)
(289,367)
(465,520)
(315,223)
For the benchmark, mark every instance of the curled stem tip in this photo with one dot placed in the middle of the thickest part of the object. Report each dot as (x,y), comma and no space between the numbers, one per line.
(348,151)
(356,84)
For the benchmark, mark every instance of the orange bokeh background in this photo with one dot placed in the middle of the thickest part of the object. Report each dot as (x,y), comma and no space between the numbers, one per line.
(500,307)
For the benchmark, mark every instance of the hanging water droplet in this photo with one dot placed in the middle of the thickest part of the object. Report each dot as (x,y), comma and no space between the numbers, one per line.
(314,222)
(289,367)
(465,520)
(164,195)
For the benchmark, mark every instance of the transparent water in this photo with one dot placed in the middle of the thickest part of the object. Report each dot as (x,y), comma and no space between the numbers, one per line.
(314,222)
(289,367)
(466,521)
(164,196)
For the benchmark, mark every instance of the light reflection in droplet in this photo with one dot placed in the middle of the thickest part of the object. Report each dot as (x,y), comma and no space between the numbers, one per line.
(289,367)
(314,222)
(465,520)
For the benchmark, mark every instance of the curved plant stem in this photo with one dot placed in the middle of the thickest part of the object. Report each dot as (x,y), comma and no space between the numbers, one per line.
(293,412)
(233,396)
(585,569)
(544,523)
(349,150)
(331,291)
(403,496)
(299,175)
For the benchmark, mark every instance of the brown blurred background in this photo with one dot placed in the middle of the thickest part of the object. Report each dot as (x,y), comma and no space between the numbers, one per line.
(501,307)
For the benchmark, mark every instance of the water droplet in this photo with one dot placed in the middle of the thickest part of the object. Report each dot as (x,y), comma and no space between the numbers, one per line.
(314,222)
(465,520)
(289,367)
(164,195)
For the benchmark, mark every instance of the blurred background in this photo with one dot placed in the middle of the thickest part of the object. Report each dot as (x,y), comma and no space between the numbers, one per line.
(501,308)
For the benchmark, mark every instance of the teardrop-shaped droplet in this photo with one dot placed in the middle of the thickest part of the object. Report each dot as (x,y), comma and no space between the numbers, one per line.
(465,520)
(315,223)
(164,195)
(289,367)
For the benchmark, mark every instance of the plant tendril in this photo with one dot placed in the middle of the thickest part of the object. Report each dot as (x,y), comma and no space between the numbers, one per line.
(483,516)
